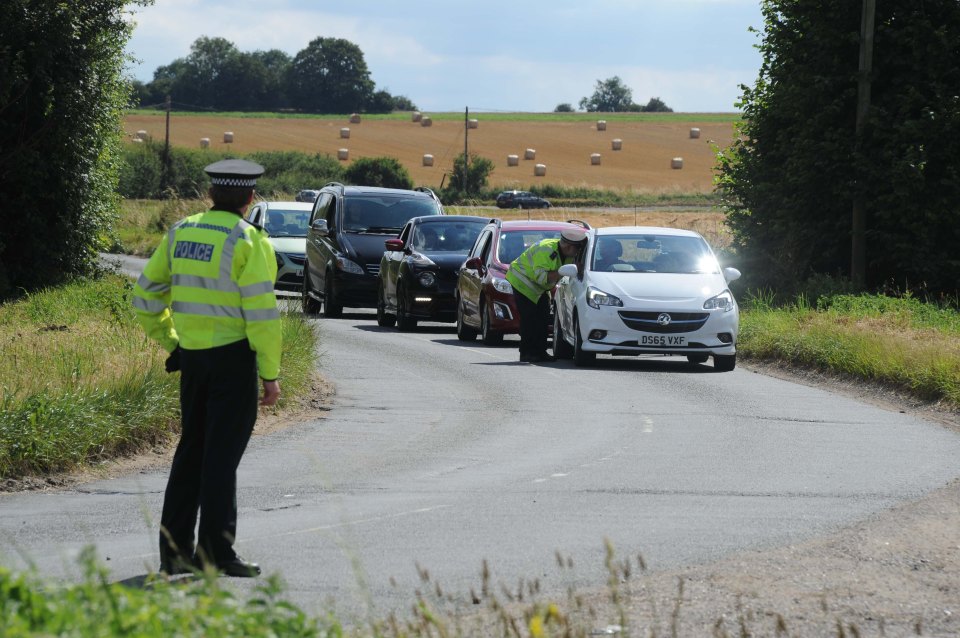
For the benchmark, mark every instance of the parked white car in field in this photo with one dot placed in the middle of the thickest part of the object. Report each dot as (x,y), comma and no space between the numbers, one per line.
(642,290)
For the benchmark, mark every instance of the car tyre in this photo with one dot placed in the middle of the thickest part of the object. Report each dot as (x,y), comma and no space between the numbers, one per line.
(384,318)
(724,362)
(490,336)
(561,349)
(310,305)
(331,309)
(405,322)
(580,356)
(464,332)
(697,358)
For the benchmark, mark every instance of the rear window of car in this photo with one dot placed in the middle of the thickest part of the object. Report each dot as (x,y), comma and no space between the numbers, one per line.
(512,244)
(384,213)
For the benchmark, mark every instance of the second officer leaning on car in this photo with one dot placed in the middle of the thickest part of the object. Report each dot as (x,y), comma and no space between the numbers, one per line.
(534,273)
(207,296)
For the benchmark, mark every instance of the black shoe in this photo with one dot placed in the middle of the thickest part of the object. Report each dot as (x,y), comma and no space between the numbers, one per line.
(239,568)
(178,565)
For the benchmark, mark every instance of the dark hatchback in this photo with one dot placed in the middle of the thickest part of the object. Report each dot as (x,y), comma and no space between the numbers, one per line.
(485,302)
(418,270)
(520,199)
(345,242)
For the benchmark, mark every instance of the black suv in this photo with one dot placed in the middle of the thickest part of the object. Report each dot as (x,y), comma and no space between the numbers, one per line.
(348,226)
(520,199)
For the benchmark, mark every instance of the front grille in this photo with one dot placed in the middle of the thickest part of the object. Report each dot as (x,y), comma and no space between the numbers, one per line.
(373,269)
(679,321)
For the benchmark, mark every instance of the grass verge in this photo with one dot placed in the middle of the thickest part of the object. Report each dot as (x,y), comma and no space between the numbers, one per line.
(80,382)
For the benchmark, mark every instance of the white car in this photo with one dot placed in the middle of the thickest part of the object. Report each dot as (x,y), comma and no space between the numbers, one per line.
(641,290)
(286,223)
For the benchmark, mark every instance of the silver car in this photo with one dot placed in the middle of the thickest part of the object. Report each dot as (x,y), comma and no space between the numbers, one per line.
(286,223)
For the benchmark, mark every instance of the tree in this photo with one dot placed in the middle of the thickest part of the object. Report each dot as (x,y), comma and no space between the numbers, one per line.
(789,180)
(656,105)
(564,107)
(611,95)
(378,171)
(478,172)
(329,76)
(62,95)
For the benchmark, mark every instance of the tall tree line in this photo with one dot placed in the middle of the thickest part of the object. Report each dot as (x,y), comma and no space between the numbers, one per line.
(330,75)
(790,179)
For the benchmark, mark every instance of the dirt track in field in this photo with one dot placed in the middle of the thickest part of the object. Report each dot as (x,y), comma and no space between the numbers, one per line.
(643,163)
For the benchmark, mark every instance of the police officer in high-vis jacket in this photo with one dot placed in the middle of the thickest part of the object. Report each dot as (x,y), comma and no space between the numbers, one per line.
(534,273)
(207,296)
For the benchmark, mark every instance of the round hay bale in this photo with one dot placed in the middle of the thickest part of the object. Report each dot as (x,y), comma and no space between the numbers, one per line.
(594,159)
(513,160)
(137,140)
(473,123)
(355,118)
(204,142)
(676,162)
(343,154)
(694,133)
(415,116)
(601,125)
(540,170)
(427,159)
(228,137)
(426,121)
(141,135)
(529,154)
(344,133)
(616,144)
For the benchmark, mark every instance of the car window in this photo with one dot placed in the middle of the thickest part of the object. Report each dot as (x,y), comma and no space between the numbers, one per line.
(320,210)
(287,223)
(513,243)
(447,236)
(254,215)
(653,253)
(481,248)
(383,214)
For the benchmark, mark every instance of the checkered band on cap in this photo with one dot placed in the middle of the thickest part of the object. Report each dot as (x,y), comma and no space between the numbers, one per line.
(233,181)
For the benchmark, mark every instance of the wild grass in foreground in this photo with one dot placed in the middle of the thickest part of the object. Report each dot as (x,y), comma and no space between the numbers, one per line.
(897,342)
(80,382)
(632,602)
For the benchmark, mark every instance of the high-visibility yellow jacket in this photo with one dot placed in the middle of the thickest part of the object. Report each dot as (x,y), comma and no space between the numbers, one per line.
(210,283)
(528,272)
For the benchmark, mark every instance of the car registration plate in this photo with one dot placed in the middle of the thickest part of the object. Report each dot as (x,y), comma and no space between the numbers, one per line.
(662,340)
(299,272)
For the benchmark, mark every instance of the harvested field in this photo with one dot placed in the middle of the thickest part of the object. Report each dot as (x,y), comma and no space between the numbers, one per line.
(643,164)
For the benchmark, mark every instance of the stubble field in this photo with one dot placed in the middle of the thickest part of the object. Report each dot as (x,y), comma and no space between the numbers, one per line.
(648,145)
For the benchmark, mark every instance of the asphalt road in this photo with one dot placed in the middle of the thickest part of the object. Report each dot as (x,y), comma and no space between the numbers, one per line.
(446,455)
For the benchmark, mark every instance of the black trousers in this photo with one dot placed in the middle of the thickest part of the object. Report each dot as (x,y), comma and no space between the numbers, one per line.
(219,392)
(533,323)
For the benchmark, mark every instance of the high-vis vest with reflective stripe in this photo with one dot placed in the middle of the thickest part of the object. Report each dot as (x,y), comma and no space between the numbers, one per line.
(528,272)
(209,284)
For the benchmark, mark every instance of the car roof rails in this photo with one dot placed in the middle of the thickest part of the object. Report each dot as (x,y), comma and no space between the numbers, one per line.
(579,222)
(429,191)
(335,185)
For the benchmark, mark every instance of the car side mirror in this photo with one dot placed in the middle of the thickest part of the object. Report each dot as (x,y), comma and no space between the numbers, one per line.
(473,263)
(731,274)
(320,227)
(568,270)
(393,244)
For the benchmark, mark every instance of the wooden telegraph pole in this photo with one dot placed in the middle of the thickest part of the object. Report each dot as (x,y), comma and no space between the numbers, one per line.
(858,253)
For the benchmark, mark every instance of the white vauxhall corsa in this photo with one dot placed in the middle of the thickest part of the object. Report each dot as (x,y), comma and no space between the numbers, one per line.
(646,290)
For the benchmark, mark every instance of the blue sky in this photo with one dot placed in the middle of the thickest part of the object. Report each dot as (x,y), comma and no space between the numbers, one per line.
(491,55)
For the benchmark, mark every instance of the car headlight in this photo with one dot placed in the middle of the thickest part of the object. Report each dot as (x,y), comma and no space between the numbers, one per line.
(723,301)
(421,261)
(346,265)
(597,298)
(427,279)
(502,285)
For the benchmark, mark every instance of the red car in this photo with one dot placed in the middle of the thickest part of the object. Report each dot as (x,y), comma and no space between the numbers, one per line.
(484,297)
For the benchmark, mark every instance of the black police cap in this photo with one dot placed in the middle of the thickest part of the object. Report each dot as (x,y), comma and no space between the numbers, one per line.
(234,172)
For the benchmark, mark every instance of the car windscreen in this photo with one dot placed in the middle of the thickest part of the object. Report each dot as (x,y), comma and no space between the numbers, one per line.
(512,243)
(653,253)
(287,223)
(384,214)
(447,236)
